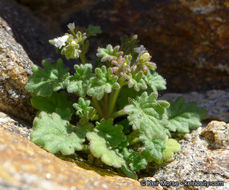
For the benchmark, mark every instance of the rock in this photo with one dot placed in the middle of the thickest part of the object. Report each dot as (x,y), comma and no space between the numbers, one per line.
(216,134)
(15,67)
(23,43)
(27,30)
(24,165)
(14,125)
(188,39)
(216,102)
(198,161)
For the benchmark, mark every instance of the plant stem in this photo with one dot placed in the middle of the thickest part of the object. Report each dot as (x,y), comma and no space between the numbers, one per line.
(97,106)
(118,113)
(105,106)
(134,137)
(82,57)
(113,99)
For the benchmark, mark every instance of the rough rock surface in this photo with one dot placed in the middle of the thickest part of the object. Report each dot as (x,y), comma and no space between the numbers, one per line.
(23,41)
(15,67)
(216,102)
(187,38)
(199,160)
(24,166)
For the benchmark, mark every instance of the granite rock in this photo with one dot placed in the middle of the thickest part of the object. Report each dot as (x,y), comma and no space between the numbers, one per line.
(15,67)
(24,166)
(24,42)
(199,161)
(188,39)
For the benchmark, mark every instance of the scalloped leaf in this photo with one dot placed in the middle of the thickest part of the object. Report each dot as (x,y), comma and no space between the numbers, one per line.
(136,81)
(184,116)
(102,83)
(109,53)
(147,114)
(79,82)
(134,160)
(171,146)
(155,81)
(112,133)
(84,110)
(55,134)
(58,103)
(45,81)
(153,149)
(99,149)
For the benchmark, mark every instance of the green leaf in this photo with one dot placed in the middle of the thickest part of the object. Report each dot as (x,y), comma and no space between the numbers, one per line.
(134,160)
(102,83)
(84,110)
(171,146)
(58,103)
(80,81)
(55,134)
(45,81)
(128,172)
(153,149)
(147,114)
(136,81)
(125,94)
(99,149)
(155,81)
(93,30)
(109,53)
(184,116)
(112,133)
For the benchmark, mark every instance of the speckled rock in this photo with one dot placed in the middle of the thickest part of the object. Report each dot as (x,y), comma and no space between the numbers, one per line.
(188,39)
(216,102)
(24,166)
(15,67)
(217,135)
(198,161)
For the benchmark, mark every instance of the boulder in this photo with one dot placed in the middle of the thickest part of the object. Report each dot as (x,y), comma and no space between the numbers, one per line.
(24,42)
(203,159)
(23,165)
(187,39)
(15,67)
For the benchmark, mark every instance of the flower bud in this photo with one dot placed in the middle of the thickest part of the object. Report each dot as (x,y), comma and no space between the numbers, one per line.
(145,57)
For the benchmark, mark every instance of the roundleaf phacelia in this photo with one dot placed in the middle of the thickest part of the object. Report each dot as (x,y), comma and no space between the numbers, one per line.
(107,110)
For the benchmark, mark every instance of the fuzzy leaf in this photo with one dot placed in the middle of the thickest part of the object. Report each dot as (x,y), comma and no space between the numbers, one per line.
(112,133)
(55,134)
(147,114)
(45,81)
(184,116)
(109,53)
(80,81)
(125,94)
(128,172)
(102,83)
(136,81)
(153,149)
(171,146)
(155,81)
(58,103)
(134,160)
(99,149)
(84,110)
